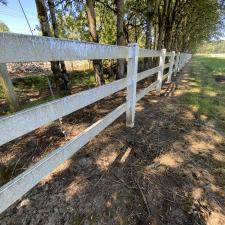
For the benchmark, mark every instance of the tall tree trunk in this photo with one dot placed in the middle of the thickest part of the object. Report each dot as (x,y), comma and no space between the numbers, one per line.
(90,10)
(185,35)
(45,28)
(126,33)
(168,34)
(170,24)
(155,36)
(161,24)
(169,38)
(43,18)
(51,5)
(148,33)
(120,36)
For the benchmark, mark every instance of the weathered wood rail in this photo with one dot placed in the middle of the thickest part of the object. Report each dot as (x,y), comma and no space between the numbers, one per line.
(24,48)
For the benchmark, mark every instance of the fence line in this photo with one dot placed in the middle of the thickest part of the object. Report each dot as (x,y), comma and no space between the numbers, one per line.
(32,48)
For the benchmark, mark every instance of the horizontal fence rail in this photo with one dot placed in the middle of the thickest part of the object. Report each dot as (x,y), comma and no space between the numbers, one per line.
(36,48)
(165,76)
(169,54)
(147,73)
(149,53)
(25,48)
(146,90)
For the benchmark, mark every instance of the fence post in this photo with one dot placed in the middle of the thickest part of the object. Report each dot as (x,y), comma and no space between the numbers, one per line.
(171,67)
(8,88)
(180,62)
(160,73)
(132,68)
(176,63)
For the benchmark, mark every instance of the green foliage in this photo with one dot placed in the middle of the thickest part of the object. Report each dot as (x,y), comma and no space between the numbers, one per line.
(106,24)
(31,82)
(2,95)
(86,78)
(202,19)
(3,27)
(83,78)
(188,22)
(212,47)
(71,27)
(73,23)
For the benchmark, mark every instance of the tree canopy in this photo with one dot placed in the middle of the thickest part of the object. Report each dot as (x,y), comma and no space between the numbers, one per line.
(179,25)
(3,27)
(213,47)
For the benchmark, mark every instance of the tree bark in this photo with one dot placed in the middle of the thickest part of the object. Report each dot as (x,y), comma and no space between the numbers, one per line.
(161,24)
(155,36)
(45,28)
(170,24)
(51,5)
(148,32)
(120,36)
(43,18)
(98,68)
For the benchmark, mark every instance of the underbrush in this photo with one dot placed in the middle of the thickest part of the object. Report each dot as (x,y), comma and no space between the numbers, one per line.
(34,90)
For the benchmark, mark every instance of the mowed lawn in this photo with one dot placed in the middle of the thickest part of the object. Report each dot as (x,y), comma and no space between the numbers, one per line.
(206,96)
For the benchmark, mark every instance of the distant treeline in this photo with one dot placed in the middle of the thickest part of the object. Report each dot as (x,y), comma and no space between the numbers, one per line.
(212,47)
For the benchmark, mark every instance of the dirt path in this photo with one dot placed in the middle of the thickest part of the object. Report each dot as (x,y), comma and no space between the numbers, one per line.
(168,169)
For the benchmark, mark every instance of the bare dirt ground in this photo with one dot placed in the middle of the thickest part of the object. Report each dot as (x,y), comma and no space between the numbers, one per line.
(169,169)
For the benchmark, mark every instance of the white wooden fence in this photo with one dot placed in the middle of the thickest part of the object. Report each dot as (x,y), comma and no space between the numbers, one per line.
(24,48)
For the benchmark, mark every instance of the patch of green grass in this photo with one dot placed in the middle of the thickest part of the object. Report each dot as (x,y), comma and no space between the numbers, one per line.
(214,64)
(34,82)
(86,78)
(206,96)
